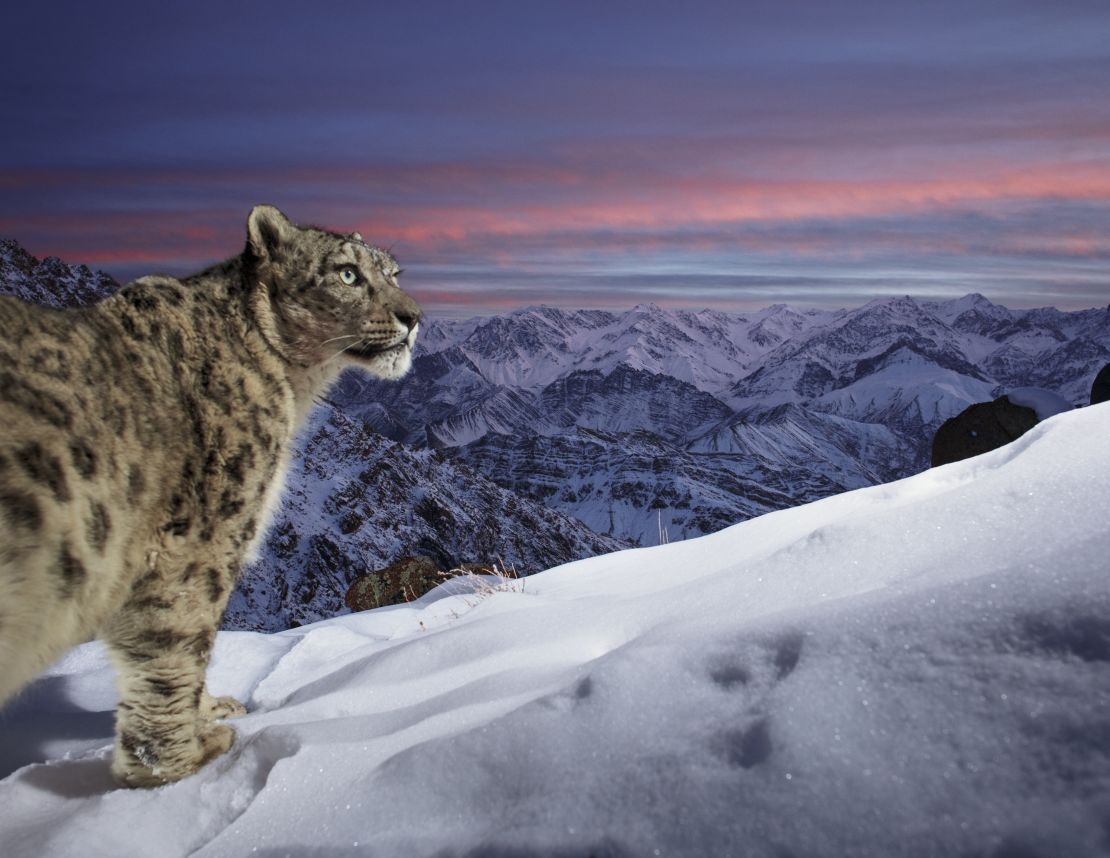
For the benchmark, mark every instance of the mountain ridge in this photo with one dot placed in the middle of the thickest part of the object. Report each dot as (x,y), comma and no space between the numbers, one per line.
(597,430)
(867,388)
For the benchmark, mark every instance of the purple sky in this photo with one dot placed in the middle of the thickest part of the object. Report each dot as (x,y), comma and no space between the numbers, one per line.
(728,154)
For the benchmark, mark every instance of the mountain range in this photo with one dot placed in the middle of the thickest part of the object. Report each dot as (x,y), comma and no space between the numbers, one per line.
(545,435)
(658,424)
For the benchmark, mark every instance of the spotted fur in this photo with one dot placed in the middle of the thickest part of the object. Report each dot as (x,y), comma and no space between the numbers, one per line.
(142,451)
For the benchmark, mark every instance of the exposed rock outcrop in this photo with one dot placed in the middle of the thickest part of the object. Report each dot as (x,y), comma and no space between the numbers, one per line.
(1100,389)
(403,581)
(980,428)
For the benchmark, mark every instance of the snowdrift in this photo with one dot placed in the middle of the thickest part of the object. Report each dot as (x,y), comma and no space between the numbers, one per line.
(918,668)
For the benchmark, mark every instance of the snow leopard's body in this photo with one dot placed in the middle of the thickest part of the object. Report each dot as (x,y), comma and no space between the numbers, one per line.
(143,442)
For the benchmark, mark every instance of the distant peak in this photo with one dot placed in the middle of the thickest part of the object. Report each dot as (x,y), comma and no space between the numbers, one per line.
(12,249)
(776,312)
(970,301)
(973,299)
(895,301)
(49,281)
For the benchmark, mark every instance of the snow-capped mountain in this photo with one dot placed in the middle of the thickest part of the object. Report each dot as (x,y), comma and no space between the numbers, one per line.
(533,347)
(692,420)
(642,426)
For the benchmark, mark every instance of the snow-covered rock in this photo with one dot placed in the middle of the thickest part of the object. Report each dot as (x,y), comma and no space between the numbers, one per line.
(1045,403)
(919,668)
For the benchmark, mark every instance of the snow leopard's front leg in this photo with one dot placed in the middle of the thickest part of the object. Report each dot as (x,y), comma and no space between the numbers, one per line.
(160,642)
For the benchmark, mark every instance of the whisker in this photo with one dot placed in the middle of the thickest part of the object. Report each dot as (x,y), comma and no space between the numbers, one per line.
(341,337)
(338,353)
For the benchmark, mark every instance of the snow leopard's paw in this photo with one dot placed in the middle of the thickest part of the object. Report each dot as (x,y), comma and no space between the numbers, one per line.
(219,708)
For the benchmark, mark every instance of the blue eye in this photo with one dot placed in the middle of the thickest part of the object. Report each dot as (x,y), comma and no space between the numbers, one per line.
(348,276)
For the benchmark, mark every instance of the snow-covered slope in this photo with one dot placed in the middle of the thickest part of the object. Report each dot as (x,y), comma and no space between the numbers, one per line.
(917,669)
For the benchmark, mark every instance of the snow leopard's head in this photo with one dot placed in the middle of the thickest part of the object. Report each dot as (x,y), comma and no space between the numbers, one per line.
(332,297)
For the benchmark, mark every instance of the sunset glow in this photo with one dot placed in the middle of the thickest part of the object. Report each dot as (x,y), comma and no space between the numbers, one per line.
(729,156)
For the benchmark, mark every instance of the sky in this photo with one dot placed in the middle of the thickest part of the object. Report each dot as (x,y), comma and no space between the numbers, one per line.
(582,154)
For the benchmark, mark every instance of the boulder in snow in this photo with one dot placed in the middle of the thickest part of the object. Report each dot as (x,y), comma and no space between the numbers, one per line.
(1100,390)
(980,428)
(403,581)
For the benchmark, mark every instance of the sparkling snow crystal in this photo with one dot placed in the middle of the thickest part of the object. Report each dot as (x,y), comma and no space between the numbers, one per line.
(918,668)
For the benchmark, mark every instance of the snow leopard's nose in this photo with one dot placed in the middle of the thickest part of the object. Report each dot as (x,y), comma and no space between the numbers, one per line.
(409,318)
(406,310)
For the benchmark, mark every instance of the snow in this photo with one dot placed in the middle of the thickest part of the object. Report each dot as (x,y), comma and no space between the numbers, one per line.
(707,349)
(1045,402)
(917,668)
(907,378)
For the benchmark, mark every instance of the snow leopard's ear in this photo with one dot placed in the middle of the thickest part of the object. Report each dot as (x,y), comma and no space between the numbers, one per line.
(268,229)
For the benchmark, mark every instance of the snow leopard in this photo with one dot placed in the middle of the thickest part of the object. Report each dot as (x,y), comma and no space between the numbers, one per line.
(143,445)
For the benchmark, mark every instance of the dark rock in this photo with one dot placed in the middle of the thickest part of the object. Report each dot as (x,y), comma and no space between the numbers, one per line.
(981,428)
(1100,390)
(284,540)
(403,581)
(410,578)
